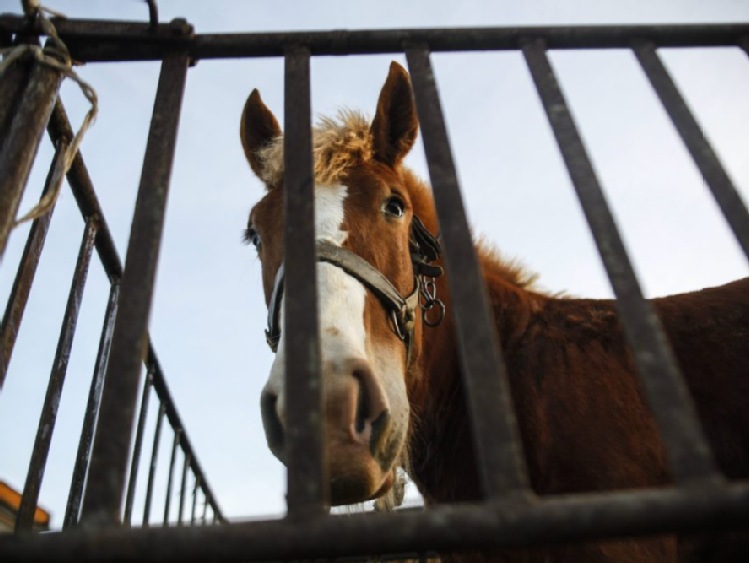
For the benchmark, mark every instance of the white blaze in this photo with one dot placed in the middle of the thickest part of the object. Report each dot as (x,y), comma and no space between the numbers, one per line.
(341,298)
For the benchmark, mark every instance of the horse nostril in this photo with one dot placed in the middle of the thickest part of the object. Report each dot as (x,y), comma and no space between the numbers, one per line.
(274,433)
(371,407)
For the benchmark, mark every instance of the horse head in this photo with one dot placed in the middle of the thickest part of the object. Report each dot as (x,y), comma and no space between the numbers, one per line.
(374,275)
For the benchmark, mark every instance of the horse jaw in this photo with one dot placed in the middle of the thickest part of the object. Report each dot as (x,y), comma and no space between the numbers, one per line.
(366,408)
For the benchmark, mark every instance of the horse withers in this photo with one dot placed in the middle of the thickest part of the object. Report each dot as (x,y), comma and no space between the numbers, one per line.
(393,391)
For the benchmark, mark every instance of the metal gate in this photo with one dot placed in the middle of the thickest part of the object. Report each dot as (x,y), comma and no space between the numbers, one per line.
(509,516)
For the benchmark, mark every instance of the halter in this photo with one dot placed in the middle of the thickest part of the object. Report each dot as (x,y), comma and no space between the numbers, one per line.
(424,248)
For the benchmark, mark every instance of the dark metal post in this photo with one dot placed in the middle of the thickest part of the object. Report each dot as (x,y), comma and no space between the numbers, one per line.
(182,490)
(689,454)
(307,476)
(25,519)
(103,500)
(715,176)
(500,457)
(19,294)
(137,446)
(92,410)
(170,482)
(19,143)
(154,461)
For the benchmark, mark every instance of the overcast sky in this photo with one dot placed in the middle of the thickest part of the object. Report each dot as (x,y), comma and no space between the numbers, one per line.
(208,315)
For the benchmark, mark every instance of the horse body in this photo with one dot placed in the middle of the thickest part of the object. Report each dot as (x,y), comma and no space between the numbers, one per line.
(395,399)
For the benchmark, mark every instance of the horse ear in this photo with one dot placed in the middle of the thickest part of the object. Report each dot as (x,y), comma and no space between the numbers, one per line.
(257,128)
(395,124)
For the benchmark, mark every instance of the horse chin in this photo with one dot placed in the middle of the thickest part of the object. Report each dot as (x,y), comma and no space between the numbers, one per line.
(354,484)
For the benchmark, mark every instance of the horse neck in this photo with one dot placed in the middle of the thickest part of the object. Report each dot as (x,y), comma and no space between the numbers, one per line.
(441,449)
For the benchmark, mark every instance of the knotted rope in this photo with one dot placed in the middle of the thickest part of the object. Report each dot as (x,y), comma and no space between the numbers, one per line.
(55,55)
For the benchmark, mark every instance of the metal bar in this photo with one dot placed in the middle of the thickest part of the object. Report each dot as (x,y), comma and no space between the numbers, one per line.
(83,190)
(19,294)
(103,500)
(689,455)
(14,80)
(21,142)
(92,410)
(441,528)
(205,511)
(48,417)
(498,448)
(307,475)
(183,489)
(100,40)
(162,390)
(137,446)
(172,459)
(195,487)
(708,163)
(154,461)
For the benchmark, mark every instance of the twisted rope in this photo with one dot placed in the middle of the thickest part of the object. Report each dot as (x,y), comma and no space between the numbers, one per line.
(55,55)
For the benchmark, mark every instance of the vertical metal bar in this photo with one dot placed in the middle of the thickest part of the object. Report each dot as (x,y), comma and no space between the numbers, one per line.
(498,448)
(25,519)
(20,144)
(195,487)
(182,490)
(205,510)
(154,462)
(92,410)
(689,454)
(138,446)
(170,482)
(715,176)
(103,500)
(19,294)
(307,480)
(13,83)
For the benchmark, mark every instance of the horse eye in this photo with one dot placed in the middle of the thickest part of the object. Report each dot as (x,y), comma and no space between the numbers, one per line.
(394,206)
(252,236)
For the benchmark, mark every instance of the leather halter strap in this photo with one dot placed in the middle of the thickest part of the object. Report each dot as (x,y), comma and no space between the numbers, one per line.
(425,248)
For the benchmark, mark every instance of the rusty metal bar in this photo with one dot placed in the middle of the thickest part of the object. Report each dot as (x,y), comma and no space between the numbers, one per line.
(183,489)
(14,80)
(103,500)
(21,141)
(170,481)
(83,456)
(154,461)
(497,440)
(195,487)
(441,528)
(138,446)
(708,163)
(19,294)
(48,417)
(100,40)
(307,475)
(689,455)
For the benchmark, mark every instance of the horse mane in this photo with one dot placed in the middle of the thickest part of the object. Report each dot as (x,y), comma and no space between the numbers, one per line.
(338,143)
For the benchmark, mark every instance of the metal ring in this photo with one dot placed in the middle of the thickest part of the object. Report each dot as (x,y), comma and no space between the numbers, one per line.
(428,306)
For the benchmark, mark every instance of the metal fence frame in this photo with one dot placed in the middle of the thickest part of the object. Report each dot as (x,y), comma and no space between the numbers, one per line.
(510,514)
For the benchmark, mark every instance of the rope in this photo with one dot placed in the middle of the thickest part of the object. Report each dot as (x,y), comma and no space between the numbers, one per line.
(54,55)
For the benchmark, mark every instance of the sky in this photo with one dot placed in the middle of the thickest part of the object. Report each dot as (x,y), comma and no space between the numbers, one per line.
(208,313)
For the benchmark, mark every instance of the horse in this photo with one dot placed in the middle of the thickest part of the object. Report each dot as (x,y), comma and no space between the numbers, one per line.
(393,391)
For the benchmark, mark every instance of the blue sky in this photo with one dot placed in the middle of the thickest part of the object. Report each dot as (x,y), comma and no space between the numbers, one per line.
(208,313)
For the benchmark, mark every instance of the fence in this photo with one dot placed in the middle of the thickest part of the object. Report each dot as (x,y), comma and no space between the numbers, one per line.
(701,499)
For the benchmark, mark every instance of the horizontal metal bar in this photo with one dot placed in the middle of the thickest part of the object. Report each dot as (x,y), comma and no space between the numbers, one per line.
(308,484)
(708,163)
(440,528)
(688,452)
(100,40)
(500,458)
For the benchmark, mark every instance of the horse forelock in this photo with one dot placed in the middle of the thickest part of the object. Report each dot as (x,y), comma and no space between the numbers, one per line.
(338,143)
